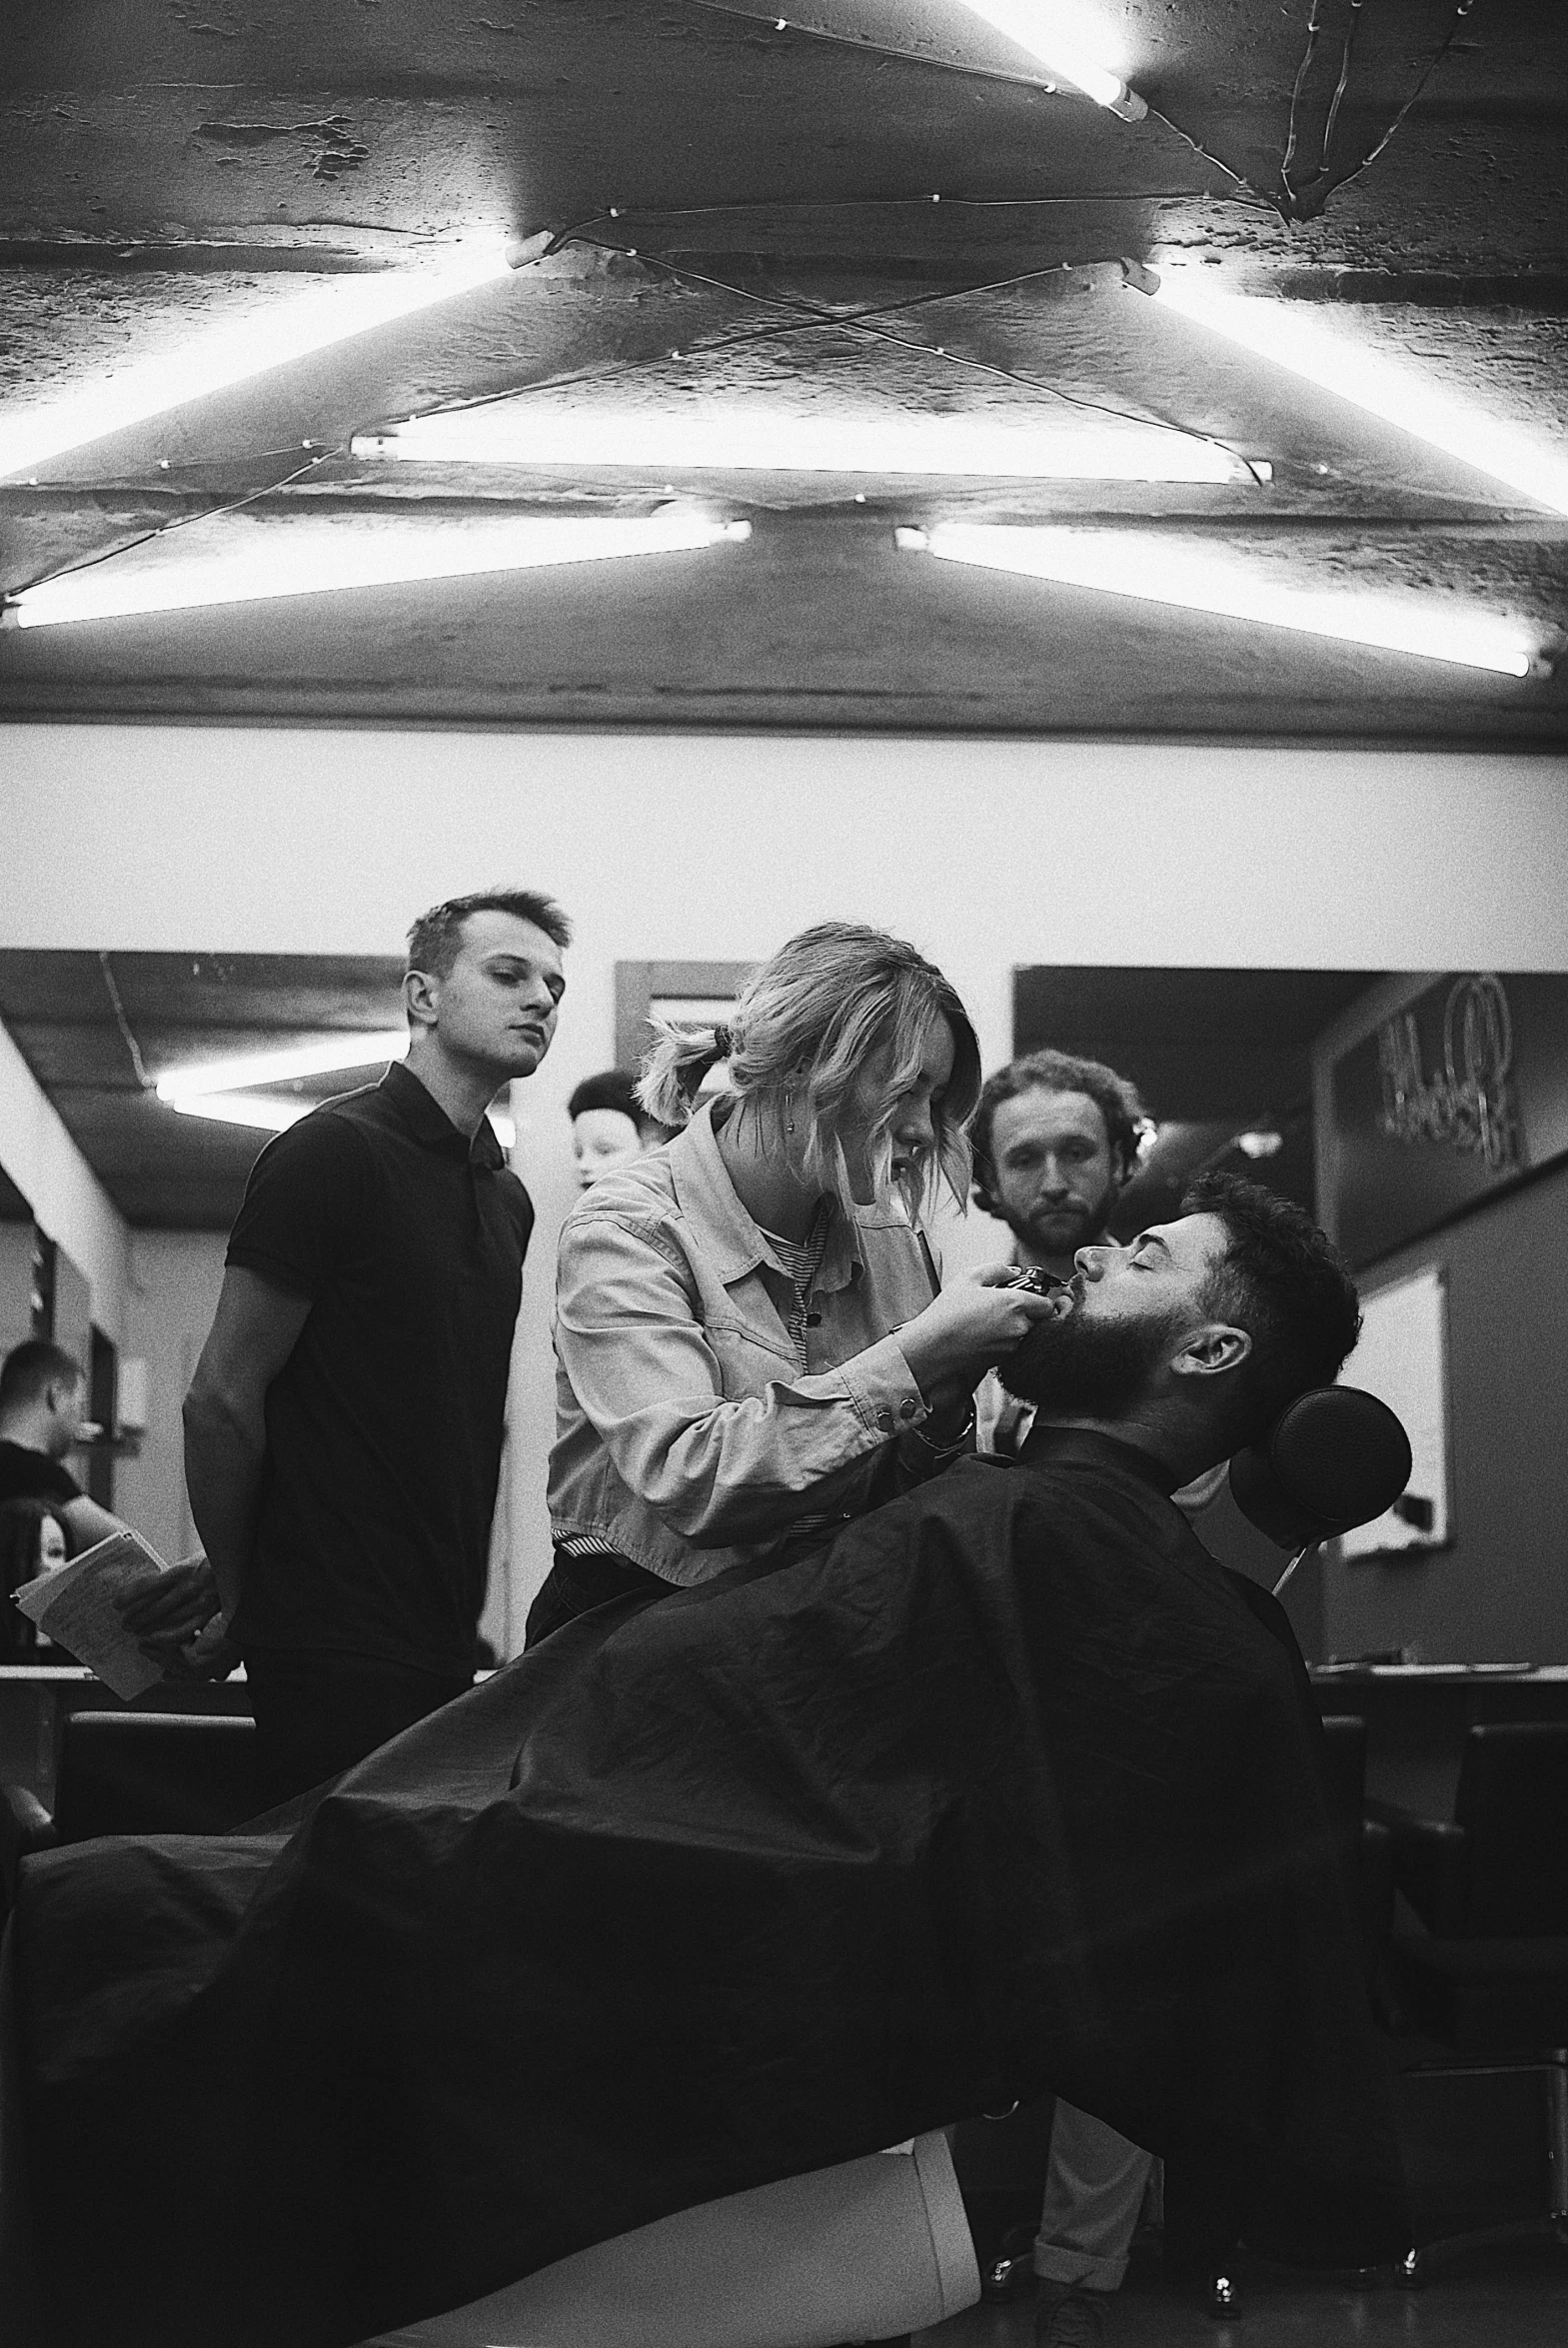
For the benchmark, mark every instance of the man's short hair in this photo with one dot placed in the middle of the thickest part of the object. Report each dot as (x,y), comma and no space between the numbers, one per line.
(1283,1282)
(31,1368)
(437,937)
(613,1090)
(1115,1097)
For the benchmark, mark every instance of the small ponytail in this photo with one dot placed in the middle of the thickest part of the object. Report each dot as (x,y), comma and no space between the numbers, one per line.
(672,1070)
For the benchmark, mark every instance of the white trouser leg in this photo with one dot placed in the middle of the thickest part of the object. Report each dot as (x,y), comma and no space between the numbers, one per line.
(859,2251)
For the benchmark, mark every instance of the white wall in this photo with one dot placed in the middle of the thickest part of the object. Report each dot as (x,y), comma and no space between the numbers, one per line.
(173,1289)
(16,1284)
(48,1168)
(986,853)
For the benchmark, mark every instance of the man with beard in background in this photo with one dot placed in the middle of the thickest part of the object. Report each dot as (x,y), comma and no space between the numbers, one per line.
(1056,1142)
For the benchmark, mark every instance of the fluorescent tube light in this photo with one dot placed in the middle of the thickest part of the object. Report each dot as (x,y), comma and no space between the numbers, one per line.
(320,562)
(756,440)
(356,1048)
(1337,362)
(275,1116)
(1060,39)
(241,1108)
(208,1089)
(228,355)
(1132,563)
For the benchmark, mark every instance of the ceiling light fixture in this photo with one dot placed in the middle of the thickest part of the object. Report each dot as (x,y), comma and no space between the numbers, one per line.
(244,1109)
(1134,562)
(208,1089)
(358,1047)
(1062,40)
(228,355)
(758,439)
(332,560)
(1336,362)
(275,1117)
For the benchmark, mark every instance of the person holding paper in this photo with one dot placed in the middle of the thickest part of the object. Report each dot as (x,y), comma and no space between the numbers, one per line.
(343,1428)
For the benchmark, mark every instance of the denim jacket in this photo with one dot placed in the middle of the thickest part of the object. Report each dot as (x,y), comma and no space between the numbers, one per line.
(685,1435)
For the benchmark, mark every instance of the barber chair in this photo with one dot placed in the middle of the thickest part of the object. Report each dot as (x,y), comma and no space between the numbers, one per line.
(1367,1844)
(133,1774)
(1334,1458)
(1488,1978)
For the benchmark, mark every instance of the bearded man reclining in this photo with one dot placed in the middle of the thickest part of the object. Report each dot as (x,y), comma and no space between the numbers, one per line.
(1011,1788)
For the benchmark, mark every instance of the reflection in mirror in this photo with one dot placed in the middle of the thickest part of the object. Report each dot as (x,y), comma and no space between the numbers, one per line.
(16,1266)
(1422,1117)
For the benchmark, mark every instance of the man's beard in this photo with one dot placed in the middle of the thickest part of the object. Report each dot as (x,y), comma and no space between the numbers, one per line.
(1087,1369)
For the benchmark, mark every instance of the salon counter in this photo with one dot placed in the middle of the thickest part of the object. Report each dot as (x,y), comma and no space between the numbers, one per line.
(35,1698)
(1419,1715)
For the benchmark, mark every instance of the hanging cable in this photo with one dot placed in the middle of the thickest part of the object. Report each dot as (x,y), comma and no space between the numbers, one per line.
(1260,196)
(127,1033)
(816,321)
(861,325)
(181,522)
(1452,35)
(1339,87)
(1314,28)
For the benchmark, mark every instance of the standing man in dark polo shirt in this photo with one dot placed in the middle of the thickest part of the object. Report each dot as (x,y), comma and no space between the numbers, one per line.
(343,1428)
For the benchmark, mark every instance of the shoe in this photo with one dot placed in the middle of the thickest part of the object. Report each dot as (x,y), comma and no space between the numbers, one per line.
(1065,2317)
(1009,2272)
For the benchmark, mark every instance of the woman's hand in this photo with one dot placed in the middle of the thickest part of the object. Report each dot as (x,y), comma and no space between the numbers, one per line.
(970,1327)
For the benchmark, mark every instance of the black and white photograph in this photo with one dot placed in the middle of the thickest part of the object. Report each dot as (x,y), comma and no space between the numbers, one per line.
(783,1175)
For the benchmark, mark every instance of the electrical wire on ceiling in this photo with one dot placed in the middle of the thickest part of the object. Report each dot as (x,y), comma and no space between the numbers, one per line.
(818,321)
(1307,203)
(1340,86)
(109,553)
(806,317)
(122,1021)
(743,204)
(1314,29)
(1293,204)
(859,324)
(867,48)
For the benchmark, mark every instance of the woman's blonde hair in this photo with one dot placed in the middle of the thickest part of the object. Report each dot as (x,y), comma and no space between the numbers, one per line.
(806,1026)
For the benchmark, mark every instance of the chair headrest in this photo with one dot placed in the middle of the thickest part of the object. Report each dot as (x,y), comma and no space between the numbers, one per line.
(1334,1458)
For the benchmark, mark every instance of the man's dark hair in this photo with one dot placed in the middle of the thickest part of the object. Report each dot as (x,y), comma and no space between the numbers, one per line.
(437,937)
(31,1368)
(1283,1282)
(1115,1097)
(613,1090)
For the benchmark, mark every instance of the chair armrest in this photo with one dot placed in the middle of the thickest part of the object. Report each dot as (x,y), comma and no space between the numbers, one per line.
(1377,1884)
(25,1826)
(1431,1865)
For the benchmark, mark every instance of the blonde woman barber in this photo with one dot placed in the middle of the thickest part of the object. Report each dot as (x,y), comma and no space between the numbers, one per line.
(750,1345)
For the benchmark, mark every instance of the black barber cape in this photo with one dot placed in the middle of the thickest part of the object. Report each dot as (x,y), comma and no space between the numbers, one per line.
(1011,1788)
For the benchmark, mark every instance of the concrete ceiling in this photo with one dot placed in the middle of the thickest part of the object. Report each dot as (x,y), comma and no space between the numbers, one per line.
(98,1030)
(168,165)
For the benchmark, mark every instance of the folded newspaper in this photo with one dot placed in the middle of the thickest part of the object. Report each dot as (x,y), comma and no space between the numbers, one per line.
(78,1607)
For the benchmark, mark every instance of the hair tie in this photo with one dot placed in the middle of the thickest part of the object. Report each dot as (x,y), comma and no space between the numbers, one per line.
(723,1042)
